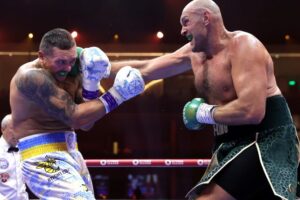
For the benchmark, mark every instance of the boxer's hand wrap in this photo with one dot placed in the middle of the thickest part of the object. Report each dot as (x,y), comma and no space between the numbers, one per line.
(95,65)
(197,113)
(205,113)
(128,83)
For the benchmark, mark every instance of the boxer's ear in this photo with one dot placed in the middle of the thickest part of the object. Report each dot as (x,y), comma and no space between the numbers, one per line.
(41,54)
(42,57)
(206,17)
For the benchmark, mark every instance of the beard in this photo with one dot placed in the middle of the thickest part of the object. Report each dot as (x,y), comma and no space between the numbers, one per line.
(196,49)
(199,43)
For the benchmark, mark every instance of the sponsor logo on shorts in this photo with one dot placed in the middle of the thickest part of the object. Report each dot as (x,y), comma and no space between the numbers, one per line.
(58,175)
(84,187)
(49,165)
(220,129)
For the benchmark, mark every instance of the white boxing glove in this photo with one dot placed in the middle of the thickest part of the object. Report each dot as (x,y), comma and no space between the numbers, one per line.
(128,83)
(95,65)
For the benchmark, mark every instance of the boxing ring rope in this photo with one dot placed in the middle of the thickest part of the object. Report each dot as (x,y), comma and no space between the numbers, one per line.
(137,163)
(136,54)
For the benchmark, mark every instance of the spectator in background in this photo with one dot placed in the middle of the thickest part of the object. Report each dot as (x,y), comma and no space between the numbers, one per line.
(12,185)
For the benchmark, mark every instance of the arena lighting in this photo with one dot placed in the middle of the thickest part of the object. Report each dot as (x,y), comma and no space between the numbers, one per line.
(74,34)
(287,37)
(115,148)
(30,35)
(116,36)
(159,35)
(102,90)
(292,82)
(152,83)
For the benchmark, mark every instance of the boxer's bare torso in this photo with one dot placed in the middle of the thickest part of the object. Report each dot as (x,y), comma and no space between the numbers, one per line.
(29,116)
(214,76)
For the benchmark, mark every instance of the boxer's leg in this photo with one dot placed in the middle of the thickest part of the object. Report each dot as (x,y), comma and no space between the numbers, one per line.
(55,176)
(243,178)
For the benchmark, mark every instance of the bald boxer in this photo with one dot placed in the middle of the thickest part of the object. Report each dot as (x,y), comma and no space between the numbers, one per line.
(255,154)
(46,98)
(12,185)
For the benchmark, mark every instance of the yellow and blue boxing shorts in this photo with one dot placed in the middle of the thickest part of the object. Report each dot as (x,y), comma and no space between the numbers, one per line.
(53,168)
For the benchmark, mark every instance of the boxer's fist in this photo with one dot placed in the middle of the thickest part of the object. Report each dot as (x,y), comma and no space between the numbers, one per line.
(128,83)
(95,65)
(197,113)
(189,114)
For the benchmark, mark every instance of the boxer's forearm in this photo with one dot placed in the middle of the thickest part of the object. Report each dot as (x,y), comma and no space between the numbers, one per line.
(128,83)
(239,113)
(86,114)
(161,67)
(117,65)
(165,66)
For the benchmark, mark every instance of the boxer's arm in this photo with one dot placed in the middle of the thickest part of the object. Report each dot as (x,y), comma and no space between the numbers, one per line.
(161,67)
(40,88)
(78,100)
(93,65)
(249,74)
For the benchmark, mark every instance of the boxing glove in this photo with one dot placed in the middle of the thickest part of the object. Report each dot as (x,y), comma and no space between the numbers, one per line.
(95,65)
(197,113)
(127,84)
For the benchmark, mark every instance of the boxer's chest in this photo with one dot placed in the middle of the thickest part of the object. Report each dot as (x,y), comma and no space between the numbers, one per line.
(213,79)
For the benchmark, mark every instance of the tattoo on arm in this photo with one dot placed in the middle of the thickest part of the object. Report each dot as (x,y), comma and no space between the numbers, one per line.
(39,87)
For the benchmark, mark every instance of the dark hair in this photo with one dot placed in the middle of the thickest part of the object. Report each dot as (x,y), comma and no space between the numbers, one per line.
(57,37)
